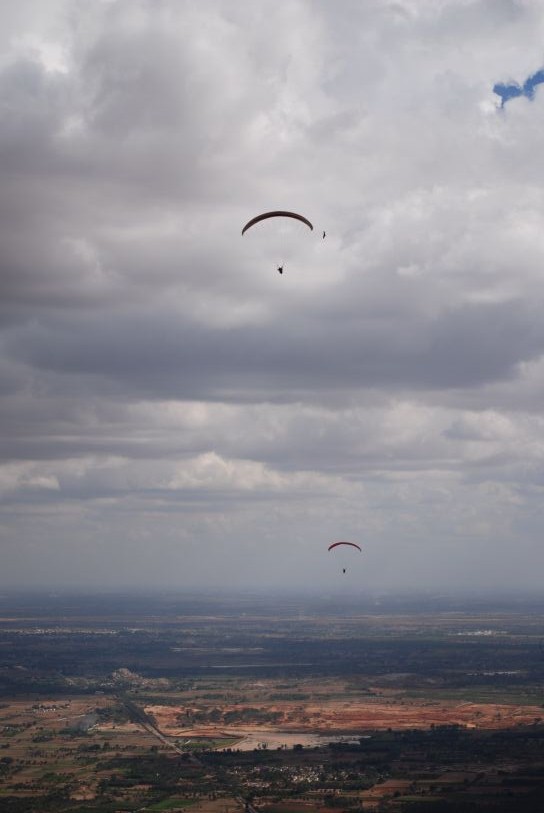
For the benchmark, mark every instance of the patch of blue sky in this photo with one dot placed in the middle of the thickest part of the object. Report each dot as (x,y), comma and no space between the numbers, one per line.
(512,90)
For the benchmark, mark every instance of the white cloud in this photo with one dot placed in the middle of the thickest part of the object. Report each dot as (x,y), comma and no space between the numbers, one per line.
(21,476)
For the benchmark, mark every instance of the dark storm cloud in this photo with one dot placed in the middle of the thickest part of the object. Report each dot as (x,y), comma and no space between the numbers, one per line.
(178,358)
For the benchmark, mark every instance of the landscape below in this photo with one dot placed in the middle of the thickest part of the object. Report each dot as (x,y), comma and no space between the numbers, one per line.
(281,704)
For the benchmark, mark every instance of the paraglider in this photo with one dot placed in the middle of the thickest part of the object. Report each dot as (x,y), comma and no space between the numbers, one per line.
(279,213)
(348,544)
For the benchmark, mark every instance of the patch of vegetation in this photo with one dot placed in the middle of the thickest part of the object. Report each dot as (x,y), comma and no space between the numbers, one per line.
(172,803)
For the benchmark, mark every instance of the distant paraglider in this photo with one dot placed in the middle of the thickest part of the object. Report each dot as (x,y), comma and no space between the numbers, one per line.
(348,544)
(267,215)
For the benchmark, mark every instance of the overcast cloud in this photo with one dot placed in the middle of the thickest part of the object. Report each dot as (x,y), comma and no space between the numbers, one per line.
(174,412)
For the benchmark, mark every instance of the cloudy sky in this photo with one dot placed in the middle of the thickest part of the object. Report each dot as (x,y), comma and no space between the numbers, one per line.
(174,412)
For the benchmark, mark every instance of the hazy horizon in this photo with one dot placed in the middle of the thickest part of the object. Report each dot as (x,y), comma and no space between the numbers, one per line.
(303,593)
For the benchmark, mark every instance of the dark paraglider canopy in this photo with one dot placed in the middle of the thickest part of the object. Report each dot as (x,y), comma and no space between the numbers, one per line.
(266,215)
(350,544)
(343,544)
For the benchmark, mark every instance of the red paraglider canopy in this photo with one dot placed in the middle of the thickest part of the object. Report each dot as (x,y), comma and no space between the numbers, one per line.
(351,544)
